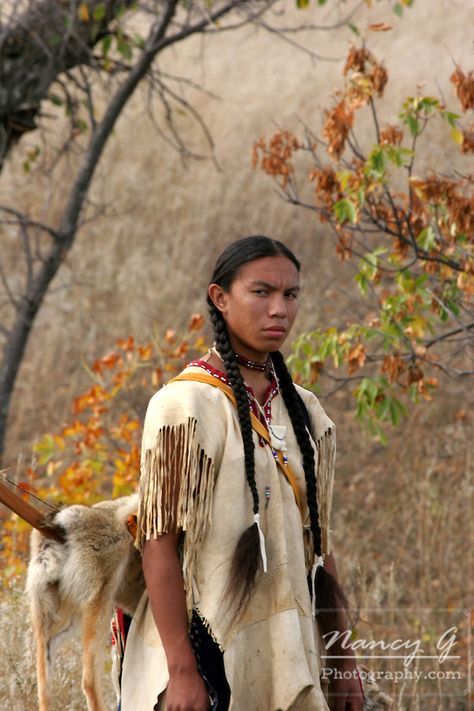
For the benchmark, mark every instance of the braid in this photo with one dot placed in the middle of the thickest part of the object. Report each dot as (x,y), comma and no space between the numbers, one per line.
(238,386)
(293,405)
(330,594)
(245,562)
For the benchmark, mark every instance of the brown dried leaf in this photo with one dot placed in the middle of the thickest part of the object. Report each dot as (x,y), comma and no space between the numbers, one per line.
(356,357)
(391,136)
(380,27)
(379,78)
(339,122)
(464,84)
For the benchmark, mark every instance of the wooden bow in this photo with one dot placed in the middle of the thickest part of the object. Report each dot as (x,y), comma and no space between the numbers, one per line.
(27,512)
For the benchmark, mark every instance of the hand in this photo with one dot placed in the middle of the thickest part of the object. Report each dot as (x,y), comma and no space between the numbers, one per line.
(186,691)
(346,694)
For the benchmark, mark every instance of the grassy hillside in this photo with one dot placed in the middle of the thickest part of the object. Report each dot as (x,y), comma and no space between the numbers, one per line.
(402,532)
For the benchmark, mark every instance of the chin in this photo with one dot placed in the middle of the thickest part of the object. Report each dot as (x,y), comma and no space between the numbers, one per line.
(274,344)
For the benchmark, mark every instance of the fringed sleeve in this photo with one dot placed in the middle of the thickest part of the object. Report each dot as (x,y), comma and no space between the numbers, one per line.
(324,436)
(326,446)
(177,474)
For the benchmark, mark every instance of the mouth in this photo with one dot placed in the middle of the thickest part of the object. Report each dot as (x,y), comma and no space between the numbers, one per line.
(275,331)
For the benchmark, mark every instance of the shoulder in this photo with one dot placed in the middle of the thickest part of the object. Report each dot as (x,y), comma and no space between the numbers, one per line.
(320,421)
(180,401)
(308,397)
(189,394)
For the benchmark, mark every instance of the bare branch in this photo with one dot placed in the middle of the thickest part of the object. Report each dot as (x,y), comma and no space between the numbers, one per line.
(24,219)
(11,297)
(322,28)
(465,328)
(285,38)
(158,39)
(165,91)
(32,60)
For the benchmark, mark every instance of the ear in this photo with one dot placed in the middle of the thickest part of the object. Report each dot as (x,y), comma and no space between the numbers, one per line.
(218,297)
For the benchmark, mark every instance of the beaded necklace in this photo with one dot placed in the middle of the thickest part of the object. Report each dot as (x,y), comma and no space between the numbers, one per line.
(254,364)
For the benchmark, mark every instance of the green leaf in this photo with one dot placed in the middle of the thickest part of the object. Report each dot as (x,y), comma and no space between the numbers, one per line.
(81,124)
(398,9)
(398,155)
(45,449)
(382,409)
(120,12)
(99,12)
(345,211)
(372,391)
(413,124)
(397,411)
(450,117)
(361,196)
(394,414)
(376,163)
(106,44)
(454,307)
(457,135)
(343,177)
(363,283)
(302,4)
(427,238)
(354,28)
(56,100)
(124,48)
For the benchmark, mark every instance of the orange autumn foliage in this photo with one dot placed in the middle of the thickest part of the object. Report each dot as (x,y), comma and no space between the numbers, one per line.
(275,156)
(96,454)
(409,236)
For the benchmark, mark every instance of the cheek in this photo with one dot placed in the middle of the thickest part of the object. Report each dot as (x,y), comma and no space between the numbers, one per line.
(248,309)
(293,310)
(245,316)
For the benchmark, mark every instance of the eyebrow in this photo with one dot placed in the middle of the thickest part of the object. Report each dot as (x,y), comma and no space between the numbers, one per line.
(259,282)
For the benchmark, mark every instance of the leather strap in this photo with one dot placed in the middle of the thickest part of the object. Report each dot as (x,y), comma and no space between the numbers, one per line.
(258,426)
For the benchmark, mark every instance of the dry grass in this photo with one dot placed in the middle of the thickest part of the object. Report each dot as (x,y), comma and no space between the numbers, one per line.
(401,514)
(148,260)
(18,678)
(403,537)
(403,542)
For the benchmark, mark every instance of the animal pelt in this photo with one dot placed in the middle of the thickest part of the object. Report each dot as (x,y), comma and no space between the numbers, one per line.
(78,583)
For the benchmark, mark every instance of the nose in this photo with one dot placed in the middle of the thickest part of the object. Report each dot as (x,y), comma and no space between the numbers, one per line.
(278,307)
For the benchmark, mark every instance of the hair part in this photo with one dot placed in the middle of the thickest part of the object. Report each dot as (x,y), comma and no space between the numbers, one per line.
(243,251)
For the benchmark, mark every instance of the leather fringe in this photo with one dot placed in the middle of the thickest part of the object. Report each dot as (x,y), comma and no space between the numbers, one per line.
(176,492)
(326,448)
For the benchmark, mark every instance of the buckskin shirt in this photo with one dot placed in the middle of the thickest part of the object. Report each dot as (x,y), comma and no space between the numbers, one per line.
(272,652)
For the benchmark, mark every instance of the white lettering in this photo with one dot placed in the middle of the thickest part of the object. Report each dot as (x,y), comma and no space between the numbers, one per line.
(445,645)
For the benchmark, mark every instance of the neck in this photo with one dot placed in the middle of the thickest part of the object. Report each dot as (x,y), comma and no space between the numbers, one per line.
(250,364)
(253,371)
(248,353)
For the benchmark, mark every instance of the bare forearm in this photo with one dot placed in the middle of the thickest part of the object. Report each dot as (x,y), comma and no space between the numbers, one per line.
(164,581)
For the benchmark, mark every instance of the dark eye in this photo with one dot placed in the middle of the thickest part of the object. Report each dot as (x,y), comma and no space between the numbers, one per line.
(292,295)
(262,292)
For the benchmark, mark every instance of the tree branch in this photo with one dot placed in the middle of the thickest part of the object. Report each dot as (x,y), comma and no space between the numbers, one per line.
(29,306)
(31,60)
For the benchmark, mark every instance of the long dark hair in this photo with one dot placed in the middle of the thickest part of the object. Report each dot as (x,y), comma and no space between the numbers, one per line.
(246,559)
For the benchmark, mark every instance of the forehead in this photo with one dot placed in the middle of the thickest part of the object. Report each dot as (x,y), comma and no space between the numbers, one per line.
(276,270)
